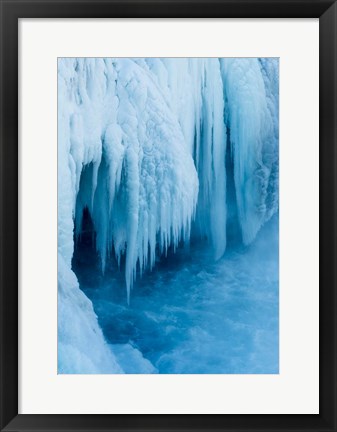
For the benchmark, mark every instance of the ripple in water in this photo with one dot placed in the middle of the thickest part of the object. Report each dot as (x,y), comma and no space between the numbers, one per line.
(191,314)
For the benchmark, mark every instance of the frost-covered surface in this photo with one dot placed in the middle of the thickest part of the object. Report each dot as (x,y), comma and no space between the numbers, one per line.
(81,345)
(142,144)
(141,185)
(132,360)
(251,88)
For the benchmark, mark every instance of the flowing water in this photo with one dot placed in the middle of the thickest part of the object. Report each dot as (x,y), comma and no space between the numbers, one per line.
(191,314)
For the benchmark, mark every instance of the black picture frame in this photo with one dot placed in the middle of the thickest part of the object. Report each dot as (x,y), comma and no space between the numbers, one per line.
(11,11)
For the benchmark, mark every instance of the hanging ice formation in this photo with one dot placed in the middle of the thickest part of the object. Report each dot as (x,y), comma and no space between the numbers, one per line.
(142,144)
(251,94)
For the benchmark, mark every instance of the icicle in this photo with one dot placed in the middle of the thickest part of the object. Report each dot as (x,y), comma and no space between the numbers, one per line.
(210,159)
(143,181)
(142,145)
(252,138)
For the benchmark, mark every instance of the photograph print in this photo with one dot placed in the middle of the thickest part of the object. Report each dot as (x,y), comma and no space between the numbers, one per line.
(168,215)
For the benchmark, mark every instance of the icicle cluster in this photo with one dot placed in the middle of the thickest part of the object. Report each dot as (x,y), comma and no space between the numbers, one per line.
(142,145)
(251,92)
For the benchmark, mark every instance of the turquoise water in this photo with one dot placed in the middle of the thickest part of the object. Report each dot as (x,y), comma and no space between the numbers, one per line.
(191,314)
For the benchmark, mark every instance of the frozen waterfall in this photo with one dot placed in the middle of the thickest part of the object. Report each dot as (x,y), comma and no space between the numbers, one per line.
(142,144)
(158,152)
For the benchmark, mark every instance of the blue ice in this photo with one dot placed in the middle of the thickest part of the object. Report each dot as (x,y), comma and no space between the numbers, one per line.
(168,206)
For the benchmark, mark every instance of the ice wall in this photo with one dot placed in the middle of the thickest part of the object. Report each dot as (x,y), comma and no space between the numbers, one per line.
(193,90)
(142,187)
(142,145)
(251,94)
(146,141)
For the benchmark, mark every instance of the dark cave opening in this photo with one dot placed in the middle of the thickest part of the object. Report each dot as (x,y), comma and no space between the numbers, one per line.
(85,257)
(86,261)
